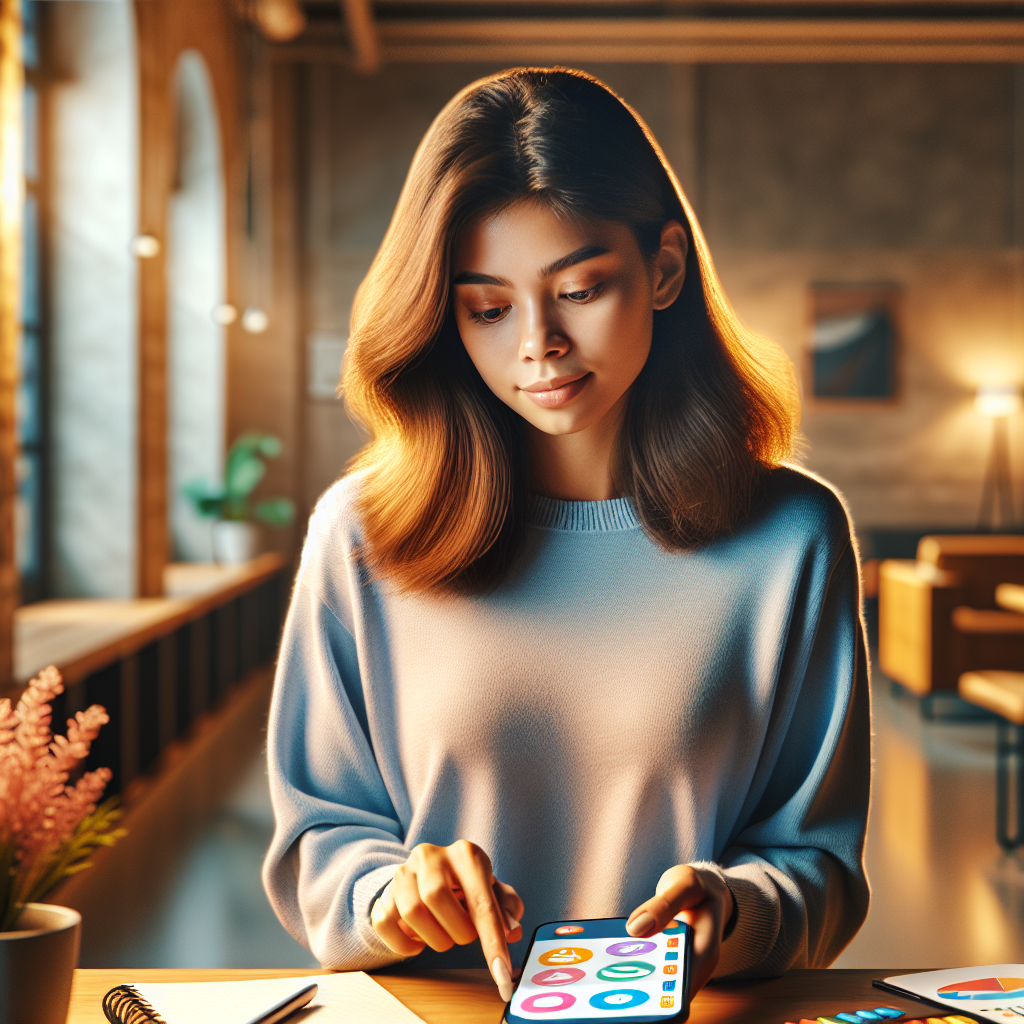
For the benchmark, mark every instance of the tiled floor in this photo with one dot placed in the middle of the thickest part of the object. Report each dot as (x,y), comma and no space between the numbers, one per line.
(215,913)
(943,893)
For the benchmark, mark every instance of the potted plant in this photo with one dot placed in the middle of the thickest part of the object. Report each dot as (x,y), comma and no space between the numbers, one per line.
(230,503)
(48,831)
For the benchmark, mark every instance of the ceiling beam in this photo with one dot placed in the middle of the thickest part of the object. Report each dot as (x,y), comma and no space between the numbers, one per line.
(686,40)
(362,35)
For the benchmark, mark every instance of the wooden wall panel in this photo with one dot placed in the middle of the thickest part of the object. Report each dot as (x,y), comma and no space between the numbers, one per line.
(166,28)
(11,199)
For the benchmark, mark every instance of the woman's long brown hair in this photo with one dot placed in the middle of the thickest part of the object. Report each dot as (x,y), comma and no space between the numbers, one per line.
(443,492)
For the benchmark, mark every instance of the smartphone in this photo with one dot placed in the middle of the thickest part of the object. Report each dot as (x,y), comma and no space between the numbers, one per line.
(579,972)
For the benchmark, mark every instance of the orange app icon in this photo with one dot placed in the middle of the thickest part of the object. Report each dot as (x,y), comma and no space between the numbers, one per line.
(672,943)
(569,929)
(566,956)
(668,968)
(667,1002)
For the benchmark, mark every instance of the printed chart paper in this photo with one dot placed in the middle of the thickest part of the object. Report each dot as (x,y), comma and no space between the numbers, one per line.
(995,992)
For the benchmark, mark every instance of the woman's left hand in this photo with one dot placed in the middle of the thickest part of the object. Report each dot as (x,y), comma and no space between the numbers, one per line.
(701,899)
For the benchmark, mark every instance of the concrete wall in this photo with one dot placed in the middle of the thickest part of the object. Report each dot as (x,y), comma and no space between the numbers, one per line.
(94,209)
(799,174)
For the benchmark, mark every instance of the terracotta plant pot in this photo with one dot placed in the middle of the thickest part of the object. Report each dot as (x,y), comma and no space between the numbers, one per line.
(235,542)
(37,963)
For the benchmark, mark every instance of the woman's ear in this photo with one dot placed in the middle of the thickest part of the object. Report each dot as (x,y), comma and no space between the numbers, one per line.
(670,265)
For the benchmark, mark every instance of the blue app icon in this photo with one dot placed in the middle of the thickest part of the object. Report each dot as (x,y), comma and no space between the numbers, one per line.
(618,999)
(668,986)
(672,956)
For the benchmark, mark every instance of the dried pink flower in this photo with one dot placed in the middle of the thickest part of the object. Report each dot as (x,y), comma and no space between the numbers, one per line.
(47,828)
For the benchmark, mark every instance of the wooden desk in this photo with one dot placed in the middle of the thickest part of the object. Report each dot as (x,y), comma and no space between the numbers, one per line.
(469,997)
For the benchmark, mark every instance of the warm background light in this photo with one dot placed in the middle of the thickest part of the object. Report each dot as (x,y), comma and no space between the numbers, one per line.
(997,400)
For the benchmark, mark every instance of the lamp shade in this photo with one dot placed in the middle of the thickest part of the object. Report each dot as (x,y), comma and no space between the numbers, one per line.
(997,400)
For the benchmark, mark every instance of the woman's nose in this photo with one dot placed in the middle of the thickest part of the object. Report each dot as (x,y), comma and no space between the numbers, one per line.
(541,338)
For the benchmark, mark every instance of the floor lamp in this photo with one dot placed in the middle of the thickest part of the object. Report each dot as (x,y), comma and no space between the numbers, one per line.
(998,403)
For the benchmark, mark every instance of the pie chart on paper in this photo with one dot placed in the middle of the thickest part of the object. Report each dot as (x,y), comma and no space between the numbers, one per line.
(984,988)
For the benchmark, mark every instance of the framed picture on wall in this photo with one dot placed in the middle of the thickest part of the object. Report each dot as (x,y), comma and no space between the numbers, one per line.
(853,347)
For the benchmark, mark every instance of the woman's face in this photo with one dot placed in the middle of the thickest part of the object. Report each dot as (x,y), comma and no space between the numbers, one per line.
(557,314)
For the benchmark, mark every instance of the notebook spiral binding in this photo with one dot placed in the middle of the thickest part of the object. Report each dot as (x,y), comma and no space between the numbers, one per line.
(124,1005)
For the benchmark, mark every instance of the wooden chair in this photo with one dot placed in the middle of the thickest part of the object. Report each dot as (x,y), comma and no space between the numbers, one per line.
(1003,694)
(938,615)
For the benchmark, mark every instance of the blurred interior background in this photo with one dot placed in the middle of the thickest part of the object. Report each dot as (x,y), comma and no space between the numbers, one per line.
(191,192)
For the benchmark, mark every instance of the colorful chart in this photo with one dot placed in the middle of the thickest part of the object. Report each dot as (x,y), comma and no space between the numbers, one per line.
(984,988)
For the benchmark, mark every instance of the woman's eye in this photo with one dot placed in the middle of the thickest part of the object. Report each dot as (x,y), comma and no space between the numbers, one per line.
(490,316)
(584,295)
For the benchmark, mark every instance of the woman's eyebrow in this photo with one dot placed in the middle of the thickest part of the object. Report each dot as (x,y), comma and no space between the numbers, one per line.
(470,277)
(581,255)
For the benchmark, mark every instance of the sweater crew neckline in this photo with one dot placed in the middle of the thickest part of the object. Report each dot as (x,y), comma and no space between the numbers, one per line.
(583,516)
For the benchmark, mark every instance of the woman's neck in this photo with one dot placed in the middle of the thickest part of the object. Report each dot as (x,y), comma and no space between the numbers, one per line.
(578,466)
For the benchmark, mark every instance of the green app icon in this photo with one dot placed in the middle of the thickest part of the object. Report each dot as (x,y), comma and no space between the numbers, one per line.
(628,970)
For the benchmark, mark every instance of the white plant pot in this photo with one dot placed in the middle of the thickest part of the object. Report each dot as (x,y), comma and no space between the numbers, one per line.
(37,963)
(235,542)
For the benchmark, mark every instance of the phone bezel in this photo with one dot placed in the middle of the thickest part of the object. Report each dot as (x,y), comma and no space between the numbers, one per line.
(684,1009)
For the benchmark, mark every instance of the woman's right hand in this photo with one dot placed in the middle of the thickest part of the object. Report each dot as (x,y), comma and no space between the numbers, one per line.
(447,895)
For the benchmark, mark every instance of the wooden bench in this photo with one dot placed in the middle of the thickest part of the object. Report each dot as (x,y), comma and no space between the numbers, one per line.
(155,664)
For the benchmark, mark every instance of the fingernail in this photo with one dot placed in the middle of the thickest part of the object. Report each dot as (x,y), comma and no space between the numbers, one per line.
(641,924)
(502,978)
(513,924)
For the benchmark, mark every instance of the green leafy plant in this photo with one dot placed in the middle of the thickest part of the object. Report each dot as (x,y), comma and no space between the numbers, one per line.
(244,469)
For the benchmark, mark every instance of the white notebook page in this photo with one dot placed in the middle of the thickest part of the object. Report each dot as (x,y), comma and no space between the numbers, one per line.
(349,998)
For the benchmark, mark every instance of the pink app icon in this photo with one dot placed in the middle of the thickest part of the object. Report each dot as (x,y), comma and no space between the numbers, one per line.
(558,976)
(548,1002)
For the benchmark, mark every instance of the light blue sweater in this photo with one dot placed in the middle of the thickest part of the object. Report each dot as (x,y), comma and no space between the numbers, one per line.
(611,710)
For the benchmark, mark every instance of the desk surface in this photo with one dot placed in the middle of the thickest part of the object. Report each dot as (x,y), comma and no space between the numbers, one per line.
(469,997)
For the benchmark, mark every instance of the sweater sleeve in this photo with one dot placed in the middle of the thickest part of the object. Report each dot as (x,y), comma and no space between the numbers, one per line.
(795,865)
(337,839)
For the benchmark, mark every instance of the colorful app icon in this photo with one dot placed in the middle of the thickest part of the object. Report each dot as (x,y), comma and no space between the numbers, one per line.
(669,969)
(668,986)
(558,976)
(634,947)
(628,970)
(569,929)
(565,957)
(672,927)
(668,1002)
(618,999)
(672,943)
(671,955)
(548,1002)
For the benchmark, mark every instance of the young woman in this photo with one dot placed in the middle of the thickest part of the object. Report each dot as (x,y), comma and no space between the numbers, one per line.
(570,641)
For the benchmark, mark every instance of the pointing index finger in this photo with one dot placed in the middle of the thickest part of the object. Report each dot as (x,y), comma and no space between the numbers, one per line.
(487,917)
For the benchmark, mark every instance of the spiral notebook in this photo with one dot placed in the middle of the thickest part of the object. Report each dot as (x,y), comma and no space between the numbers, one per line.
(349,998)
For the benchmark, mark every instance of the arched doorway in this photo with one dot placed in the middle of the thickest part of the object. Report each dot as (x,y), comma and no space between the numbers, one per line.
(196,282)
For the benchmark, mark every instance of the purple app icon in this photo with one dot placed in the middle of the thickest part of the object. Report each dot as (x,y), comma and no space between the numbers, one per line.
(634,947)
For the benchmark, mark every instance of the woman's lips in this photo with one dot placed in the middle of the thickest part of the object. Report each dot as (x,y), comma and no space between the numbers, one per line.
(555,398)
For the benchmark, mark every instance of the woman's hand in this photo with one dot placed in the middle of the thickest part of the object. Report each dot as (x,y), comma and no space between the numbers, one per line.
(701,899)
(447,895)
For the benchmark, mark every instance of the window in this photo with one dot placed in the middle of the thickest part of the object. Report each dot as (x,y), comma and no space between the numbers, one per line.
(30,509)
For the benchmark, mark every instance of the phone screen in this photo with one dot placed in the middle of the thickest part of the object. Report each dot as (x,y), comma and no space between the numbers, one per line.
(583,971)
